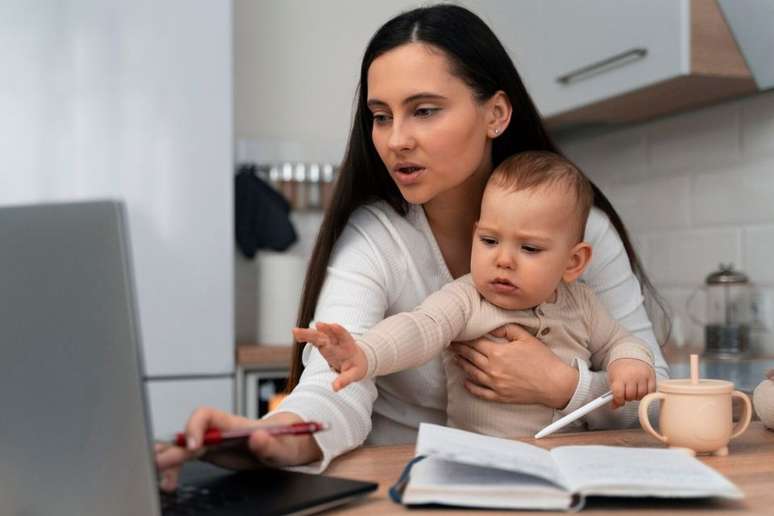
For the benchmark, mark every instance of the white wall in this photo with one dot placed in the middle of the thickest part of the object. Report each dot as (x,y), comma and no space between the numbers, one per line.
(297,64)
(695,189)
(133,100)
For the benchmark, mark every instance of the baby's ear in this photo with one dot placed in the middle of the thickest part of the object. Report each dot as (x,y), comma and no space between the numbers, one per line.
(580,256)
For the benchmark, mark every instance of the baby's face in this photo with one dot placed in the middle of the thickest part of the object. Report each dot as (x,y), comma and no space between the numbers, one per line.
(523,244)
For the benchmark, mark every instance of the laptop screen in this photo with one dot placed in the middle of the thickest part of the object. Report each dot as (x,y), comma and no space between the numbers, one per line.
(74,435)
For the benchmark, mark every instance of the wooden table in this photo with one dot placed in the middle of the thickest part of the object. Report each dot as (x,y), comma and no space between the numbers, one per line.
(750,465)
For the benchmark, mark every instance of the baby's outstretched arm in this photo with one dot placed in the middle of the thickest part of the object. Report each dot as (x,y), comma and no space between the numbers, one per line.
(338,347)
(630,379)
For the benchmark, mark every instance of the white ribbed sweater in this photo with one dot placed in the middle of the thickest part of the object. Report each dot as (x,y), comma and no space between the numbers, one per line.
(574,327)
(383,264)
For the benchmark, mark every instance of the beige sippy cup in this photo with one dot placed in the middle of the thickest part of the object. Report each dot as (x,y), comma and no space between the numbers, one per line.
(696,414)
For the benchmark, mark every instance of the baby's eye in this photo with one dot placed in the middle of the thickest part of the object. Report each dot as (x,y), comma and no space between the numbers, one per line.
(488,241)
(425,112)
(531,249)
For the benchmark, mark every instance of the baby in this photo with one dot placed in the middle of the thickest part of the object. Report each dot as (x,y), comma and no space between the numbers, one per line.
(528,251)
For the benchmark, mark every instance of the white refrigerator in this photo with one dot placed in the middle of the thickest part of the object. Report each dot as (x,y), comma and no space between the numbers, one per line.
(133,100)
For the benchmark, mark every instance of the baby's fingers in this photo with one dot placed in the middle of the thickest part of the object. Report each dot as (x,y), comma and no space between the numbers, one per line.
(341,333)
(345,378)
(309,335)
(631,391)
(327,330)
(619,394)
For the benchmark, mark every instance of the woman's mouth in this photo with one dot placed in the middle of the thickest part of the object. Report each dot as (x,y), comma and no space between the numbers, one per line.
(407,174)
(503,286)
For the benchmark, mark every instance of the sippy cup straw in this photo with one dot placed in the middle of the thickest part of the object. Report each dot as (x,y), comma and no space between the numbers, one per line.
(694,369)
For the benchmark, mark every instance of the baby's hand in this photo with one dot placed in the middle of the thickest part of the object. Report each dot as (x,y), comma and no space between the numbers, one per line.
(630,379)
(339,349)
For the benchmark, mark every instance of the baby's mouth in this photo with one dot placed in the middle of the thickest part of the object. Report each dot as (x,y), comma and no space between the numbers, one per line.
(503,285)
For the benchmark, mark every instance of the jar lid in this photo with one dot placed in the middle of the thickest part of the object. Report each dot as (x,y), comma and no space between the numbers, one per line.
(705,386)
(726,275)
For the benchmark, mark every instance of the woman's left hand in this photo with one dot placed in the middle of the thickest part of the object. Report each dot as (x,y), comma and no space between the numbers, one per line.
(522,370)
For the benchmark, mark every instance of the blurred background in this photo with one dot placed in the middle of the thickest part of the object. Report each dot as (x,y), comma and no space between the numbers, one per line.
(665,104)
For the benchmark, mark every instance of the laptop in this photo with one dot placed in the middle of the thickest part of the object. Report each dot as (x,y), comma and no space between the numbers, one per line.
(75,434)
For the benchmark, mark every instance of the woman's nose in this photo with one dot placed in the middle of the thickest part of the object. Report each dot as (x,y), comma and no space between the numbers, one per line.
(401,138)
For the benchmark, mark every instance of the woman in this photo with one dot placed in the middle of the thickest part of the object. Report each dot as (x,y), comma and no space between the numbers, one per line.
(439,105)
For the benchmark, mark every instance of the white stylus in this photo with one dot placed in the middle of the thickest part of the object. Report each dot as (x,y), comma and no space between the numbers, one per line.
(575,414)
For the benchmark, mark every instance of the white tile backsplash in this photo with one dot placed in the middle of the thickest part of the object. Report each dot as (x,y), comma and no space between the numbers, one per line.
(684,258)
(661,203)
(739,194)
(690,141)
(758,252)
(593,156)
(694,189)
(758,125)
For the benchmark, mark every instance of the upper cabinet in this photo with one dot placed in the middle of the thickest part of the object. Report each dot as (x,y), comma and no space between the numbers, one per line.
(615,61)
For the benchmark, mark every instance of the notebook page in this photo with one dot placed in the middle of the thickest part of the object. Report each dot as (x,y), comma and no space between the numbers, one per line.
(479,450)
(620,471)
(435,480)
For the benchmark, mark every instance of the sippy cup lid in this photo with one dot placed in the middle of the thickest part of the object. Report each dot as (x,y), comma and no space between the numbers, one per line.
(695,385)
(703,386)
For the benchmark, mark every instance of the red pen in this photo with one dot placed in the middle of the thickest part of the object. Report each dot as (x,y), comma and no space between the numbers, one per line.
(215,436)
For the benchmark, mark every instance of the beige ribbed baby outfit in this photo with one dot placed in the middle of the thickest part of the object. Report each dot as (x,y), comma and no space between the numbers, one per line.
(575,326)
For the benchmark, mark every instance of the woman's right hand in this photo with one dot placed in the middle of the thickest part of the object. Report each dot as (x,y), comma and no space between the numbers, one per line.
(287,450)
(522,370)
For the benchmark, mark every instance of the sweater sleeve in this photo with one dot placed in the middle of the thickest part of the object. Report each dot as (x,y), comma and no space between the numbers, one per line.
(363,271)
(609,340)
(410,339)
(610,276)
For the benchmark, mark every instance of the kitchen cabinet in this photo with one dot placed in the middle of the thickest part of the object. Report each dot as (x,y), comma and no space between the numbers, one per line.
(614,61)
(751,22)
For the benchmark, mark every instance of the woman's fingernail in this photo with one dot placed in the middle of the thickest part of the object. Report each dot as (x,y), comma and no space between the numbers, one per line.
(191,443)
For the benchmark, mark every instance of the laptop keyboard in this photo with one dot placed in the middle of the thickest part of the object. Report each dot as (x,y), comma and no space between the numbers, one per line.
(191,500)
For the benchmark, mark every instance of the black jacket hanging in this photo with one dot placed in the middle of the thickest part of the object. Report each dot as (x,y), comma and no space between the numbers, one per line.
(262,215)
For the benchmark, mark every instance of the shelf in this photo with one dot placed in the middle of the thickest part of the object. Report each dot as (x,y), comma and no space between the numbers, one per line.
(257,356)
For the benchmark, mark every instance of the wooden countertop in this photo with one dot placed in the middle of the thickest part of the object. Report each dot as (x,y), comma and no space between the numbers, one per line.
(750,465)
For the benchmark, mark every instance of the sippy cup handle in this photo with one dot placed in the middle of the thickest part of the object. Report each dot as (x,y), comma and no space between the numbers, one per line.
(643,413)
(744,421)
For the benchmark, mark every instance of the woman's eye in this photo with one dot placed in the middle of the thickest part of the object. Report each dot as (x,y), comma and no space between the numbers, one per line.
(531,249)
(425,112)
(380,118)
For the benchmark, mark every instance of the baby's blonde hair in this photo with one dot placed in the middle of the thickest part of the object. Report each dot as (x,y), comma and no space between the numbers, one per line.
(535,169)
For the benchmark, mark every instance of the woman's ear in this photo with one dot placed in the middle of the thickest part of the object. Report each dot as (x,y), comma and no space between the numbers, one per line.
(499,108)
(580,256)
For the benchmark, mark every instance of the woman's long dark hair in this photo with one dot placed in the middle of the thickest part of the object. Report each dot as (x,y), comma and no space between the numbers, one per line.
(479,59)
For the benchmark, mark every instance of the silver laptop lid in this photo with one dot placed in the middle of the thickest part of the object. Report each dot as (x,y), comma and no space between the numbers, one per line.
(73,427)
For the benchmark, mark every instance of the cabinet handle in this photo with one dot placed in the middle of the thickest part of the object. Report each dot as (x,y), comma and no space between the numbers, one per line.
(604,65)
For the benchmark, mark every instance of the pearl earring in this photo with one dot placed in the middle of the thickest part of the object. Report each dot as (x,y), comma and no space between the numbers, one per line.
(497,131)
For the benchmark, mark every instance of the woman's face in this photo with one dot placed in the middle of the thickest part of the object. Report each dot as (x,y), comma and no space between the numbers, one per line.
(429,129)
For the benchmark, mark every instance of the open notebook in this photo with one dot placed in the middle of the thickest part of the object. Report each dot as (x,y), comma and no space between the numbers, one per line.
(465,469)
